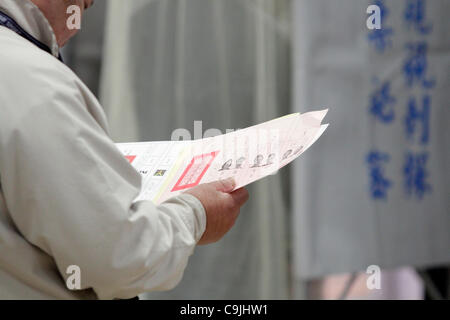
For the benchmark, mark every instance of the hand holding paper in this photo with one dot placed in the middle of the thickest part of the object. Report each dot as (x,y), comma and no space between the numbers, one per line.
(222,206)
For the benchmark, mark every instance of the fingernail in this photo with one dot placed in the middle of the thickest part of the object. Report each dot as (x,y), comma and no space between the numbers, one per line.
(229,184)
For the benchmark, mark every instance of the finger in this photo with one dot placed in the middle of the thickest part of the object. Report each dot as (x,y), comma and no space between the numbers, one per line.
(240,196)
(226,185)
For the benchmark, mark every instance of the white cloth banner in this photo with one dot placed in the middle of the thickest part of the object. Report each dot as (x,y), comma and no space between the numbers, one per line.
(376,190)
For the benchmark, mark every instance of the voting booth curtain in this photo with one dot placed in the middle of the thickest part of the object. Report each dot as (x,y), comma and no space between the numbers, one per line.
(171,64)
(375,189)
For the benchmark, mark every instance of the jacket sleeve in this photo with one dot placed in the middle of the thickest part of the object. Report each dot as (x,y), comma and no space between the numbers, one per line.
(71,193)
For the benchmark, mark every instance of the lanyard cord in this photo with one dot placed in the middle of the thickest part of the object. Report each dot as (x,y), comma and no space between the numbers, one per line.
(9,23)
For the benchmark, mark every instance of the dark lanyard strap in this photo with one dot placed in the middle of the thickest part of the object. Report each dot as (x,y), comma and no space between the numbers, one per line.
(9,23)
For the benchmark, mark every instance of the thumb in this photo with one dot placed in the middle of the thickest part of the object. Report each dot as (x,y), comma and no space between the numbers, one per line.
(226,185)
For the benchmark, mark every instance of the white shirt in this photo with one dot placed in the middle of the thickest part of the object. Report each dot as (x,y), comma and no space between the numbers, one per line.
(66,192)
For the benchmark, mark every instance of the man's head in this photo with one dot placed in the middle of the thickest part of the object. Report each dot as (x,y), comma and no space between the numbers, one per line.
(56,13)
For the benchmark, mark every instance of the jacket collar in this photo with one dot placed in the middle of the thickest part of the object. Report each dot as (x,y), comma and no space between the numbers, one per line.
(32,20)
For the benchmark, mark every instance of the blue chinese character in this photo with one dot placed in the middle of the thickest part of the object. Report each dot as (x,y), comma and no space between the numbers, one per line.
(379,184)
(415,16)
(422,116)
(380,38)
(415,67)
(416,174)
(382,104)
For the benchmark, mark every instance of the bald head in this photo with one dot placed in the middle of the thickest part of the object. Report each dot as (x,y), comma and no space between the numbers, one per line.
(56,13)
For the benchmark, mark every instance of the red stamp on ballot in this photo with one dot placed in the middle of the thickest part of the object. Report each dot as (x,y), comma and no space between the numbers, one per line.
(194,172)
(130,158)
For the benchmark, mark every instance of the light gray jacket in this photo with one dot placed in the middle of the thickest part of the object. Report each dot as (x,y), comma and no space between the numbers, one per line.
(66,192)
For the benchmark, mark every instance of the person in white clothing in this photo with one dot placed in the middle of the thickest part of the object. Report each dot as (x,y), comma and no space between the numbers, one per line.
(67,193)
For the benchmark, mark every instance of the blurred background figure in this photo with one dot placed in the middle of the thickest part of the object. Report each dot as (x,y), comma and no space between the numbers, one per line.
(373,191)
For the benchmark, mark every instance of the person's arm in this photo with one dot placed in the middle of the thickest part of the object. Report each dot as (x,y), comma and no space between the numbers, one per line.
(70,192)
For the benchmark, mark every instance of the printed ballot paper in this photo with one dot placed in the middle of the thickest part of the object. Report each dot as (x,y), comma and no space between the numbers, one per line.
(170,167)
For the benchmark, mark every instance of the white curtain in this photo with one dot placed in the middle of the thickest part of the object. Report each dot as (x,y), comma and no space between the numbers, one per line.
(169,63)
